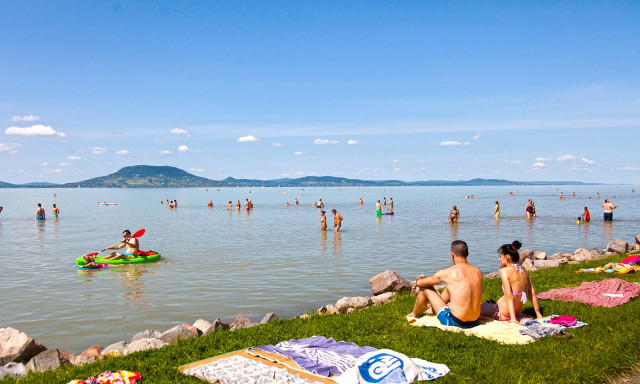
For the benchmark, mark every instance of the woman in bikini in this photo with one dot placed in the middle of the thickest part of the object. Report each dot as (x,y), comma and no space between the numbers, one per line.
(454,215)
(516,285)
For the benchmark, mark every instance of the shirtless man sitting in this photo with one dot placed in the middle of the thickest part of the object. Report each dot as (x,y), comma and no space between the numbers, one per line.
(132,247)
(459,302)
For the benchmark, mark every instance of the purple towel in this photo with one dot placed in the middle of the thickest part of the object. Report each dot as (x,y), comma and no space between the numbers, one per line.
(566,321)
(318,354)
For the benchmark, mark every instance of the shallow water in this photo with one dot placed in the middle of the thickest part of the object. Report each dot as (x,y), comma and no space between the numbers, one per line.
(219,264)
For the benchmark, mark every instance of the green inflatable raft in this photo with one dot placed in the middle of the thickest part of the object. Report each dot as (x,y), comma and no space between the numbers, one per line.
(143,257)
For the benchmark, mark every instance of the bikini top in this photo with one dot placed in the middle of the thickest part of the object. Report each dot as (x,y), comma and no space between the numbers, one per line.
(523,295)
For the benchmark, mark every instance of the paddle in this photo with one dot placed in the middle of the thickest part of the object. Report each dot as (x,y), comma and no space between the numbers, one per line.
(134,236)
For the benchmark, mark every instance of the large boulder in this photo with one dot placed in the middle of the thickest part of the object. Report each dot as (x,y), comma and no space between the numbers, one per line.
(383,298)
(241,322)
(204,326)
(581,254)
(218,325)
(93,351)
(634,247)
(618,246)
(352,302)
(526,254)
(268,318)
(528,265)
(196,332)
(388,281)
(44,361)
(540,255)
(115,349)
(175,334)
(494,274)
(148,334)
(16,370)
(638,239)
(16,346)
(561,255)
(84,359)
(144,345)
(547,263)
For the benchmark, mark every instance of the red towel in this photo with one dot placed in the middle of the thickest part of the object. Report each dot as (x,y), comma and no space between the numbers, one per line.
(606,293)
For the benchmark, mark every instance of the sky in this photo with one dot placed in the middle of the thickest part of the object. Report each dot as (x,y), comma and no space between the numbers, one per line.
(408,90)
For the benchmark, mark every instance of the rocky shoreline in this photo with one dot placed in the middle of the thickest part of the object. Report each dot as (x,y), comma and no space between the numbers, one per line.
(21,354)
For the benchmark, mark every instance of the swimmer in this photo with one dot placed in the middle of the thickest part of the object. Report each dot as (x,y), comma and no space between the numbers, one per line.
(238,205)
(295,201)
(337,220)
(390,207)
(578,221)
(323,221)
(586,217)
(55,212)
(40,215)
(496,210)
(385,201)
(229,205)
(361,201)
(286,205)
(454,215)
(378,209)
(608,210)
(320,204)
(210,203)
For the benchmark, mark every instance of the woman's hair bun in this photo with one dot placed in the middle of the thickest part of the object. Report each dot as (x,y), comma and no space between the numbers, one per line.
(516,244)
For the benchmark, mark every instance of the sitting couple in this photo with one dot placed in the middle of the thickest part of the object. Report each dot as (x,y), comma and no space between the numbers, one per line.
(460,302)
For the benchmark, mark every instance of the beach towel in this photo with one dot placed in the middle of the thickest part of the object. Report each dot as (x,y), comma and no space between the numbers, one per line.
(605,293)
(634,259)
(385,366)
(620,268)
(502,332)
(108,377)
(317,354)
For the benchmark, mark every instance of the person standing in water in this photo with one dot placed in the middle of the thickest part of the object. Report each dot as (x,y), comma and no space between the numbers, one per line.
(361,201)
(378,209)
(390,206)
(55,212)
(40,215)
(608,210)
(323,221)
(586,217)
(496,211)
(337,220)
(454,215)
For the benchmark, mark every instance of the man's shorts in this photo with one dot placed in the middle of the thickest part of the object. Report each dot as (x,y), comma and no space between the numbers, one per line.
(608,216)
(446,318)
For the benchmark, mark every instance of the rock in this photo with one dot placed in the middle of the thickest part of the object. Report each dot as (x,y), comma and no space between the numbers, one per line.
(16,370)
(388,281)
(618,246)
(494,274)
(539,255)
(204,326)
(546,263)
(528,264)
(196,332)
(269,317)
(596,253)
(115,349)
(578,258)
(148,334)
(352,302)
(65,357)
(582,254)
(634,247)
(44,361)
(349,310)
(637,239)
(218,325)
(327,310)
(383,298)
(526,254)
(560,255)
(16,346)
(175,334)
(84,359)
(241,322)
(93,351)
(305,316)
(144,345)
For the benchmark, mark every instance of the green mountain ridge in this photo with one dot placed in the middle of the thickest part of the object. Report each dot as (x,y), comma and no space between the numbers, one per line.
(150,176)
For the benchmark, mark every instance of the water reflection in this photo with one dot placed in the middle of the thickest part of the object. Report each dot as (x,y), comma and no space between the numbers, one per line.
(129,277)
(530,224)
(337,244)
(607,230)
(323,243)
(454,229)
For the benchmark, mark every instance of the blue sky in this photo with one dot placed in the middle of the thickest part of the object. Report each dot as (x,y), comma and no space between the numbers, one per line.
(412,90)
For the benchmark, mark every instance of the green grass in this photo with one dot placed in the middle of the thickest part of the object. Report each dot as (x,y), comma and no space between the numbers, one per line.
(608,346)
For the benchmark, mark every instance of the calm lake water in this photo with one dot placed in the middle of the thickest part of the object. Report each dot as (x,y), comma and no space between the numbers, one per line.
(219,264)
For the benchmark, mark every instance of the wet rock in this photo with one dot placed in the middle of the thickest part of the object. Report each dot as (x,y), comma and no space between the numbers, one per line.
(388,281)
(526,254)
(84,359)
(241,322)
(218,325)
(93,351)
(547,263)
(196,332)
(637,239)
(528,264)
(16,346)
(175,334)
(44,361)
(540,255)
(352,302)
(494,274)
(618,246)
(383,298)
(115,349)
(327,310)
(204,326)
(15,370)
(148,334)
(144,345)
(269,317)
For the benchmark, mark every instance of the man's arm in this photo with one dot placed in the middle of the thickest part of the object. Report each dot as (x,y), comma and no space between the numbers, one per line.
(429,281)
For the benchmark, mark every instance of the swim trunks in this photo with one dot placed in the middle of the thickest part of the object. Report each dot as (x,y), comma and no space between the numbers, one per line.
(447,318)
(40,218)
(54,216)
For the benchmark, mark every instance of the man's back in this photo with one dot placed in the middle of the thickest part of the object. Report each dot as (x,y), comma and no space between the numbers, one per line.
(464,283)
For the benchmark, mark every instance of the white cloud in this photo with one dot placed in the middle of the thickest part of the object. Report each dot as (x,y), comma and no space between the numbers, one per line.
(395,161)
(55,170)
(278,145)
(122,152)
(629,168)
(34,130)
(477,136)
(585,160)
(540,159)
(566,157)
(539,164)
(164,152)
(353,142)
(74,157)
(158,142)
(452,143)
(180,131)
(299,173)
(25,118)
(247,139)
(44,164)
(396,169)
(64,164)
(4,147)
(513,161)
(298,153)
(324,142)
(197,169)
(183,148)
(98,150)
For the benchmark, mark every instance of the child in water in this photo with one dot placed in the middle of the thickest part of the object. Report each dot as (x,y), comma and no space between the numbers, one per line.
(586,217)
(578,221)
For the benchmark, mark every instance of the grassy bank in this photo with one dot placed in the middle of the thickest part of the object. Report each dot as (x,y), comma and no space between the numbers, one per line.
(609,345)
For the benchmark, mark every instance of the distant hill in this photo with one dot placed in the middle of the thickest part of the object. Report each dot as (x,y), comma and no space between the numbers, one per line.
(148,176)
